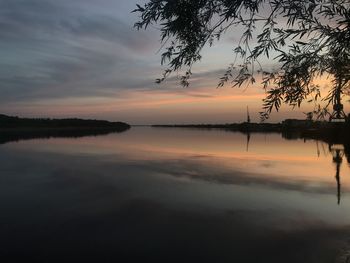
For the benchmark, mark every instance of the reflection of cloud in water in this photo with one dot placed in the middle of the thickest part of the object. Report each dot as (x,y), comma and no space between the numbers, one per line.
(222,175)
(146,231)
(114,206)
(96,212)
(197,167)
(196,199)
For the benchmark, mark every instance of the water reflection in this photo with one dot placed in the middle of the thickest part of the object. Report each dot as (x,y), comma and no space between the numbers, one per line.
(15,135)
(337,152)
(248,140)
(153,195)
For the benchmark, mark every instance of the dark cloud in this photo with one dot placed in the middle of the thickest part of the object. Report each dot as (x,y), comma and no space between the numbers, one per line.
(110,29)
(58,49)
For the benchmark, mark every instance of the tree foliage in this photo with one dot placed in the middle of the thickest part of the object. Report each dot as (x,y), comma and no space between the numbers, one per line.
(307,38)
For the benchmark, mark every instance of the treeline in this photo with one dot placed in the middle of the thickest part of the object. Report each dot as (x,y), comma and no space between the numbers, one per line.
(7,122)
(243,127)
(293,125)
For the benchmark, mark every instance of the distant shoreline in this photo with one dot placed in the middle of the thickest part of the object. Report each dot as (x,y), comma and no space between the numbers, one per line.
(252,127)
(290,129)
(15,128)
(10,123)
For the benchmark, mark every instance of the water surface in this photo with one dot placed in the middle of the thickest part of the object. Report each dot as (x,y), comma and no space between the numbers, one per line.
(173,195)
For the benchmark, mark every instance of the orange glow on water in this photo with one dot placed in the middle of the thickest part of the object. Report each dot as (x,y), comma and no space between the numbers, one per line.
(267,156)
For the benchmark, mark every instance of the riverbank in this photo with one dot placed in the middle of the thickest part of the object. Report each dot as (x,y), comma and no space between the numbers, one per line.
(18,134)
(303,127)
(17,123)
(15,128)
(331,133)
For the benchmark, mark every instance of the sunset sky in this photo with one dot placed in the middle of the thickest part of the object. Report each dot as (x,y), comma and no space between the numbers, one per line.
(83,58)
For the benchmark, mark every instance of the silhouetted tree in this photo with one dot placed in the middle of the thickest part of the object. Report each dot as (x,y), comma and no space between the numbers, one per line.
(308,38)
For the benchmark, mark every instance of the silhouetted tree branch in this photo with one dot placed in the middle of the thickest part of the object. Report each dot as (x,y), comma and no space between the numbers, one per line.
(308,38)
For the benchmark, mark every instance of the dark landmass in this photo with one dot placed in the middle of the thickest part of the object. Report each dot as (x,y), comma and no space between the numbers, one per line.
(242,127)
(8,122)
(15,128)
(329,132)
(295,128)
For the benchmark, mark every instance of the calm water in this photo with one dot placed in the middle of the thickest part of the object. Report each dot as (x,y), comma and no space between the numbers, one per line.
(173,195)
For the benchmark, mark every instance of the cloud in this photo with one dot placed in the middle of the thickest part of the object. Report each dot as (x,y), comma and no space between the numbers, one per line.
(110,29)
(85,50)
(55,49)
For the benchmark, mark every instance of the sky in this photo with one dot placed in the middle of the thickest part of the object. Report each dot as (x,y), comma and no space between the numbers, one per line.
(83,58)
